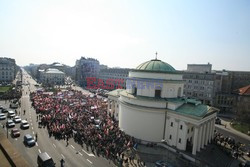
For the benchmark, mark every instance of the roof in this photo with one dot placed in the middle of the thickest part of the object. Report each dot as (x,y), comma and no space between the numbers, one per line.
(53,71)
(155,65)
(193,110)
(244,91)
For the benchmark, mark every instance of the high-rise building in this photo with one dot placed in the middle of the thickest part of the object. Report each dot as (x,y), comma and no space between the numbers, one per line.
(201,83)
(86,67)
(7,70)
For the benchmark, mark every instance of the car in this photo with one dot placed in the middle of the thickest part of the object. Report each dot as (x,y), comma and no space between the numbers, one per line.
(15,132)
(218,121)
(2,116)
(29,140)
(13,105)
(162,163)
(10,124)
(4,110)
(17,119)
(24,124)
(11,114)
(44,160)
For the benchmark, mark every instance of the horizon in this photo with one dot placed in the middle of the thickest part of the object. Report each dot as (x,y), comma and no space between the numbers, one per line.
(127,33)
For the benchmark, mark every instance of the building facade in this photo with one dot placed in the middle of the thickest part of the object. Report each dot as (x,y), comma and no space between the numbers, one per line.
(52,77)
(7,70)
(86,67)
(114,74)
(201,83)
(153,108)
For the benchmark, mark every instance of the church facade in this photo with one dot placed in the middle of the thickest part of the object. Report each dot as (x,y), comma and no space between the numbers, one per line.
(153,108)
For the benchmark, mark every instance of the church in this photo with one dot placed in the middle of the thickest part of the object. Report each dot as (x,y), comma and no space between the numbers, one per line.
(153,108)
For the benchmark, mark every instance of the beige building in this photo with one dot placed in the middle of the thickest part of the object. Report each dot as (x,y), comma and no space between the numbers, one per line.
(153,108)
(7,70)
(52,76)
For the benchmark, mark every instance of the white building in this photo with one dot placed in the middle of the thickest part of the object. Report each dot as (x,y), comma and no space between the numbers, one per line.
(152,108)
(7,69)
(52,76)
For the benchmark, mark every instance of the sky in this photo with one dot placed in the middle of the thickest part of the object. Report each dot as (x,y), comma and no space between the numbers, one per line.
(126,33)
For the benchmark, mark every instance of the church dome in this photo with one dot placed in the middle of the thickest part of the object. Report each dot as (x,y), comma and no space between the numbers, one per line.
(155,65)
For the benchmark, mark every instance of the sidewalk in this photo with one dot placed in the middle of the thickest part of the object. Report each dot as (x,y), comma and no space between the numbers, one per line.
(231,129)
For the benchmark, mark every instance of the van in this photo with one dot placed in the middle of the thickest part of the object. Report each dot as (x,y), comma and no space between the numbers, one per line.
(44,160)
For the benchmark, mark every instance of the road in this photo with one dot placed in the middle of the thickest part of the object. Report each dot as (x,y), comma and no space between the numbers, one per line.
(73,154)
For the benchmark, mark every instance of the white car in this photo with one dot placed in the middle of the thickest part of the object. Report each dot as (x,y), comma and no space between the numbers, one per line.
(17,119)
(11,114)
(2,116)
(10,124)
(24,124)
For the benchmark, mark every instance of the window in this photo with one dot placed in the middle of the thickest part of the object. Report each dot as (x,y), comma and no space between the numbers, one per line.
(181,127)
(158,93)
(179,140)
(188,130)
(171,124)
(170,137)
(192,129)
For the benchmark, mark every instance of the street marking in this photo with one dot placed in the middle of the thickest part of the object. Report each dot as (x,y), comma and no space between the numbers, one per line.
(89,161)
(62,156)
(39,150)
(54,145)
(91,155)
(80,153)
(36,144)
(72,146)
(15,138)
(31,127)
(33,132)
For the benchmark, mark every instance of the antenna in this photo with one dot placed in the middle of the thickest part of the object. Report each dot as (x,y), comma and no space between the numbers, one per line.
(156,55)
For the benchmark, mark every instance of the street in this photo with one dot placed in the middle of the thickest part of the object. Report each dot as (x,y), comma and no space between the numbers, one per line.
(73,154)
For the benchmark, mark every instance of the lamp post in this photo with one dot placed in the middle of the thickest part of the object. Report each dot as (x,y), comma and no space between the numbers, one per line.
(164,141)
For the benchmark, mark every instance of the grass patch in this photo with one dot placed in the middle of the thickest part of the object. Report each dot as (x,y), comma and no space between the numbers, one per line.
(242,127)
(4,88)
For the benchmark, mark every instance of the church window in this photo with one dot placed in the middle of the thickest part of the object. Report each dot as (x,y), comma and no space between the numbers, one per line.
(170,137)
(181,127)
(171,124)
(179,140)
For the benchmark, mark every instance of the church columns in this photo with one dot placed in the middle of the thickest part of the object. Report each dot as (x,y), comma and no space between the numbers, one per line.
(203,135)
(199,138)
(195,140)
(207,132)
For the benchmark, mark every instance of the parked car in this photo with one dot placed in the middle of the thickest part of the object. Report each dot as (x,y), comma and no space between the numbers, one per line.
(4,110)
(2,116)
(14,105)
(11,114)
(15,132)
(44,160)
(29,140)
(10,124)
(24,124)
(17,119)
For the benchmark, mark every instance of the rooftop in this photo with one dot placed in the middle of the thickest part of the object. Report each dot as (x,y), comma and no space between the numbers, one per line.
(155,65)
(244,91)
(53,71)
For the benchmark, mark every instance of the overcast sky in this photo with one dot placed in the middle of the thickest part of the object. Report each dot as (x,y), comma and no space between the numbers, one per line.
(126,33)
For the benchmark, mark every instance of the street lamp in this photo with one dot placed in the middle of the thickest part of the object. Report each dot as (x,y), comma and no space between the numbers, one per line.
(164,141)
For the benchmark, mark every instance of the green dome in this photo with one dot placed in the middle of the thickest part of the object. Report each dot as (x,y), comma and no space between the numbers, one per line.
(155,65)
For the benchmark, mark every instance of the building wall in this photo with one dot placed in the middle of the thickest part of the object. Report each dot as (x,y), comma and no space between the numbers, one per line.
(7,70)
(199,68)
(53,78)
(86,67)
(115,74)
(141,123)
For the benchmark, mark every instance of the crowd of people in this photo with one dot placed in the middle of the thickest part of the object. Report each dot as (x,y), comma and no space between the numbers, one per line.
(229,145)
(72,114)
